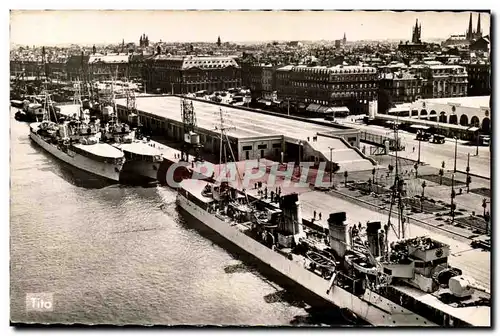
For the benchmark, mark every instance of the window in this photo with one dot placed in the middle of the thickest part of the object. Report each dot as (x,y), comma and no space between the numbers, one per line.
(262,146)
(277,145)
(246,148)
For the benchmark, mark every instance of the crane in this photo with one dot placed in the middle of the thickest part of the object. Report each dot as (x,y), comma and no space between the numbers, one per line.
(191,139)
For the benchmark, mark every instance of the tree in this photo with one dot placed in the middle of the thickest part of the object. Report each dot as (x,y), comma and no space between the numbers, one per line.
(442,164)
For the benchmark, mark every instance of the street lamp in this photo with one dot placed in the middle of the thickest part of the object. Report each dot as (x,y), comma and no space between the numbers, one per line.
(467,169)
(419,142)
(423,189)
(455,164)
(300,156)
(477,143)
(452,198)
(331,165)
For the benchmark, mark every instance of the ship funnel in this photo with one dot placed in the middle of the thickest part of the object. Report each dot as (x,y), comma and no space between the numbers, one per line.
(292,219)
(337,233)
(372,234)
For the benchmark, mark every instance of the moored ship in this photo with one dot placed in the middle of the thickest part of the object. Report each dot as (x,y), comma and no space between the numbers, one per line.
(76,142)
(383,281)
(142,158)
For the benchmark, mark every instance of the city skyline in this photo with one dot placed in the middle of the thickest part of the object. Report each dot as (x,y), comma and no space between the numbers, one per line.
(232,26)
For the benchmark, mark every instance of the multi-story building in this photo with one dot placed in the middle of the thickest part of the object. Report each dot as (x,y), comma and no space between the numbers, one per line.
(188,74)
(105,67)
(442,80)
(259,78)
(350,86)
(135,64)
(268,81)
(77,66)
(479,79)
(402,86)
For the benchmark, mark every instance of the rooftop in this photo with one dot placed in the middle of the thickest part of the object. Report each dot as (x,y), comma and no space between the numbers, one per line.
(246,124)
(339,69)
(474,102)
(202,62)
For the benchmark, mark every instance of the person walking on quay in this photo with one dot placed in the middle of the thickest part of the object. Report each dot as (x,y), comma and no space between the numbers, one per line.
(314,215)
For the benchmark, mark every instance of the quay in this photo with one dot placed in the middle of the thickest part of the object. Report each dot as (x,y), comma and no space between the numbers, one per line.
(254,135)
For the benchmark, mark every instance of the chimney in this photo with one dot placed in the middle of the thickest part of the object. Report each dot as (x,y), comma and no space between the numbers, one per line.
(292,219)
(337,233)
(372,232)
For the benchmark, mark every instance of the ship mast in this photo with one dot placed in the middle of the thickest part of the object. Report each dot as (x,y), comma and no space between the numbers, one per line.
(224,137)
(396,192)
(77,99)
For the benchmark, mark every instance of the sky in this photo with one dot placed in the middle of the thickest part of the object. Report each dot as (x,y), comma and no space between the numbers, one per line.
(53,27)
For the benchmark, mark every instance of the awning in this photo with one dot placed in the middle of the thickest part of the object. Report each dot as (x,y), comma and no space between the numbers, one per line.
(313,107)
(320,109)
(340,109)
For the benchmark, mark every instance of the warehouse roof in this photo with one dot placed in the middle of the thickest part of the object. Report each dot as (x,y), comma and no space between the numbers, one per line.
(244,123)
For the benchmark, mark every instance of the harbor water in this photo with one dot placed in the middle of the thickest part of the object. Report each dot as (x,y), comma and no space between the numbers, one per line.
(113,254)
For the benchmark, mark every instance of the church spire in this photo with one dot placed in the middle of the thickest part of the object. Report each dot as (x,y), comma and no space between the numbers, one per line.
(470,32)
(478,30)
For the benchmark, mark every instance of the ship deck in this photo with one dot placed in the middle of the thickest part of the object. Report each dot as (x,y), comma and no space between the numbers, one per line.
(194,188)
(474,263)
(101,149)
(140,148)
(477,316)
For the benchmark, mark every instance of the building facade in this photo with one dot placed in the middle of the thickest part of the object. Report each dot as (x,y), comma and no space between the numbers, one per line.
(402,86)
(259,78)
(107,67)
(189,74)
(350,86)
(442,80)
(479,79)
(466,111)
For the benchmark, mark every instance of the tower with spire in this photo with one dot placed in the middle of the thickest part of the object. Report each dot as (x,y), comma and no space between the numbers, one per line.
(417,33)
(144,41)
(472,35)
(218,41)
(479,33)
(344,40)
(469,35)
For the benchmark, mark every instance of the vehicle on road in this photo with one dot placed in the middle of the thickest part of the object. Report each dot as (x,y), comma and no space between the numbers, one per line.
(484,140)
(436,138)
(484,244)
(423,136)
